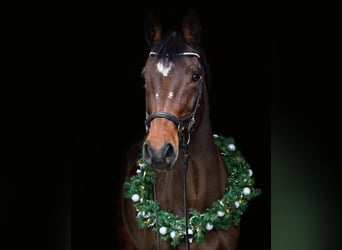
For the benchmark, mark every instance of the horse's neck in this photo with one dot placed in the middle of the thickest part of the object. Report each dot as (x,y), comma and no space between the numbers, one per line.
(206,174)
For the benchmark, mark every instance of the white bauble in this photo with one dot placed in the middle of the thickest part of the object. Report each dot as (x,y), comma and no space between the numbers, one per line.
(163,230)
(135,197)
(220,213)
(209,226)
(231,147)
(246,190)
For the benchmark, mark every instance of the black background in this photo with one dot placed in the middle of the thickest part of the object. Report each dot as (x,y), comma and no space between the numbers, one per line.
(73,104)
(76,106)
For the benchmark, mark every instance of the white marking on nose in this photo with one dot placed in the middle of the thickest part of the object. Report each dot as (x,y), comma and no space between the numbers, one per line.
(170,95)
(164,67)
(157,95)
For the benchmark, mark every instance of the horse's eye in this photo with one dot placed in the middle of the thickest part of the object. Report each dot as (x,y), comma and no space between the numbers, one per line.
(195,76)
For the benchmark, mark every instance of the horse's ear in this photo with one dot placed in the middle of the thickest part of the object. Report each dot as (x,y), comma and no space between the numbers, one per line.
(191,28)
(152,29)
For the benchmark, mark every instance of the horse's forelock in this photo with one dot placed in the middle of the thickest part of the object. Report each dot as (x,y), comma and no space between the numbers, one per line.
(171,45)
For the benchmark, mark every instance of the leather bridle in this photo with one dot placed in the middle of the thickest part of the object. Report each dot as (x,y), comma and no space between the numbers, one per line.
(183,124)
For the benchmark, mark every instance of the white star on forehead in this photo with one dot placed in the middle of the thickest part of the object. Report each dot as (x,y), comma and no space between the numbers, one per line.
(164,67)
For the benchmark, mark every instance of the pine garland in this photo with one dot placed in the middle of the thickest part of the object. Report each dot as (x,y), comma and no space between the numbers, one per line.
(220,215)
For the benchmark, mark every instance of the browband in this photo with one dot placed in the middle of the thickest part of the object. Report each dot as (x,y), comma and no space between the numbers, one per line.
(188,53)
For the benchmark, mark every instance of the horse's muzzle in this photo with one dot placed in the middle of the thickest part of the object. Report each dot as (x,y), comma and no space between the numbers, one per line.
(161,159)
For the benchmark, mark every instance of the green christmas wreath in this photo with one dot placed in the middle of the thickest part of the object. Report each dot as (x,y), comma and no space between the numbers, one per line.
(219,215)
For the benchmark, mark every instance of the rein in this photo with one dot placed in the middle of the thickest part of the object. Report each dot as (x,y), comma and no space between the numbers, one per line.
(185,128)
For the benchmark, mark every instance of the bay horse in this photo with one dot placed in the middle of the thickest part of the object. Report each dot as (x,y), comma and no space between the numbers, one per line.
(189,187)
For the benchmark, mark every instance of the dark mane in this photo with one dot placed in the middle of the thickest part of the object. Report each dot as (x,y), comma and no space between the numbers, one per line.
(172,45)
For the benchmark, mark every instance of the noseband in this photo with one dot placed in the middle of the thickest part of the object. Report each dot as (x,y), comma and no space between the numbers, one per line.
(185,128)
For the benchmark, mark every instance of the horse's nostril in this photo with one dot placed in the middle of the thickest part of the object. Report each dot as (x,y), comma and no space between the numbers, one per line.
(168,153)
(168,150)
(147,152)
